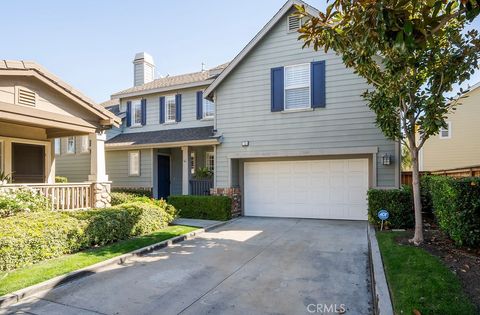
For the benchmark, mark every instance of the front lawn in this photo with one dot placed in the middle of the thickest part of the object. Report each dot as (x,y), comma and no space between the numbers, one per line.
(419,281)
(23,277)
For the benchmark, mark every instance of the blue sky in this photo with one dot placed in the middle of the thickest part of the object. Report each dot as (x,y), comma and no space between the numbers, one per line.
(91,44)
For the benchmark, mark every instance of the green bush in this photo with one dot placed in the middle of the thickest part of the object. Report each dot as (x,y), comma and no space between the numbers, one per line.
(61,179)
(24,199)
(32,237)
(203,207)
(398,202)
(456,204)
(139,192)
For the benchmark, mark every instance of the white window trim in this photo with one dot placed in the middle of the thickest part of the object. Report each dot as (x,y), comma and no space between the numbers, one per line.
(309,85)
(58,146)
(193,162)
(167,120)
(207,160)
(68,146)
(449,129)
(133,116)
(205,116)
(84,144)
(137,173)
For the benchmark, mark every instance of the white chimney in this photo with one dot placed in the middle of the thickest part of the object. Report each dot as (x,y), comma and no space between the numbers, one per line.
(143,69)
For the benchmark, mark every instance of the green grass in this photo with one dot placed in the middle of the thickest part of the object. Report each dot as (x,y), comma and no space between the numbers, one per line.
(419,280)
(20,278)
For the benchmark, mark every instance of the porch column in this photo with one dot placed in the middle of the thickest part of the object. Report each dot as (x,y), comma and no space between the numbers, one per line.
(185,170)
(98,176)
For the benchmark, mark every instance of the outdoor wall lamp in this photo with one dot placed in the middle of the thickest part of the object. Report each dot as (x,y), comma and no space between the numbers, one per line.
(386,159)
(245,143)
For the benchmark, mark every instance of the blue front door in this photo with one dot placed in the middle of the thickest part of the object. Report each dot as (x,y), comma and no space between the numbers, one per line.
(163,167)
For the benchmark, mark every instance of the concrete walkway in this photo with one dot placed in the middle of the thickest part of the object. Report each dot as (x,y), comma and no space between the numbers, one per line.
(250,266)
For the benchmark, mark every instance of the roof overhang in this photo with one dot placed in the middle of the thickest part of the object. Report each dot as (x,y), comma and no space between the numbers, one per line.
(260,35)
(163,89)
(177,144)
(32,69)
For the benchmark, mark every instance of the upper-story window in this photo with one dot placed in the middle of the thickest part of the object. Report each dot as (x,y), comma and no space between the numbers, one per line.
(208,109)
(297,86)
(446,133)
(170,109)
(136,113)
(57,144)
(71,145)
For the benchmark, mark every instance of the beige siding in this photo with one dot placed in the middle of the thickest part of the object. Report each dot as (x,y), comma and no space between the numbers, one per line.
(243,109)
(463,148)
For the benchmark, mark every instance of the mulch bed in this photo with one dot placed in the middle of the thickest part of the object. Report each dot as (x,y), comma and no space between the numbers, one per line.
(463,261)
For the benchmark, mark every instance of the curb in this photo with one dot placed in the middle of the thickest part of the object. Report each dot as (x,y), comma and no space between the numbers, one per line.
(15,297)
(382,302)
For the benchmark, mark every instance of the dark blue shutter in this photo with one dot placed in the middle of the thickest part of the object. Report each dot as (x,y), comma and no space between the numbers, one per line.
(318,84)
(144,112)
(129,114)
(178,107)
(277,98)
(162,109)
(199,105)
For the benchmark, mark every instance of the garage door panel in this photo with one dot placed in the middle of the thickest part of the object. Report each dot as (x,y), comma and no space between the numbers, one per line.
(329,189)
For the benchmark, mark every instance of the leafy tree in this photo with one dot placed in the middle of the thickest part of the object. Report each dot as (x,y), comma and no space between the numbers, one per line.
(411,53)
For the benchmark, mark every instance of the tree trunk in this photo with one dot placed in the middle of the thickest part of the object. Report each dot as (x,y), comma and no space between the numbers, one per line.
(417,201)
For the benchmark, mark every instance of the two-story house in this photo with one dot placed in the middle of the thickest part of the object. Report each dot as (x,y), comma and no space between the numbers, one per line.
(282,126)
(166,135)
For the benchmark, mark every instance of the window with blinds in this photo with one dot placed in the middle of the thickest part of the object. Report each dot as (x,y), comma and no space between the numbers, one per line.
(297,86)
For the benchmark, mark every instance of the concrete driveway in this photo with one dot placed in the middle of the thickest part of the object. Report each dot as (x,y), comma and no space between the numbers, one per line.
(250,266)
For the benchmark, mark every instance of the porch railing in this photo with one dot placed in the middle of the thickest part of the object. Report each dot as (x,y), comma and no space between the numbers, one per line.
(68,196)
(201,187)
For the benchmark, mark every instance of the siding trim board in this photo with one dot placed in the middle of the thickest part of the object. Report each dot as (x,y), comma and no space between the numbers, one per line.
(296,153)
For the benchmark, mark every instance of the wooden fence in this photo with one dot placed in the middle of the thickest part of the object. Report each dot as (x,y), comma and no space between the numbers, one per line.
(473,171)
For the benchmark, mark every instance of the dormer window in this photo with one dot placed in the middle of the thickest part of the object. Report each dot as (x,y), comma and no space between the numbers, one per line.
(293,23)
(208,109)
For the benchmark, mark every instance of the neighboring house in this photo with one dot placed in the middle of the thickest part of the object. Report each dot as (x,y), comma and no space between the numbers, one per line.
(35,108)
(458,145)
(166,134)
(290,134)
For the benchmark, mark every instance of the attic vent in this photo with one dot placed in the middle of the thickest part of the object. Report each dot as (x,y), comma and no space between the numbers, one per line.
(26,97)
(293,23)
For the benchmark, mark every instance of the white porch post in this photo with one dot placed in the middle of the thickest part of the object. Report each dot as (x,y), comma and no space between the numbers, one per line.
(185,173)
(98,175)
(97,158)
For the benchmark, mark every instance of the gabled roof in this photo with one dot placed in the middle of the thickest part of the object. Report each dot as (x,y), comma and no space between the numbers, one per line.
(273,21)
(31,68)
(174,82)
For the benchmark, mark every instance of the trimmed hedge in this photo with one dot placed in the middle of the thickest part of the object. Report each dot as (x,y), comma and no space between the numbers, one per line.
(203,207)
(32,237)
(139,192)
(118,198)
(456,204)
(398,202)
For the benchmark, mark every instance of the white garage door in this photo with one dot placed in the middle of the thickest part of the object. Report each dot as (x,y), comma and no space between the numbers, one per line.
(324,189)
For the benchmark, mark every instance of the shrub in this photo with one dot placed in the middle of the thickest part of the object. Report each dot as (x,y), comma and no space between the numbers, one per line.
(398,202)
(61,179)
(140,192)
(203,207)
(24,199)
(119,197)
(31,237)
(456,204)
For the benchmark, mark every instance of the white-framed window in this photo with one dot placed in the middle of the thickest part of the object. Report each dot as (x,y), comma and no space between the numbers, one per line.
(193,163)
(210,161)
(446,133)
(297,86)
(71,145)
(208,109)
(134,163)
(170,109)
(136,114)
(58,146)
(84,144)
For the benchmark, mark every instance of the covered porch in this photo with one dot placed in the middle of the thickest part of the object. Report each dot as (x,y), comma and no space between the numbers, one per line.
(35,108)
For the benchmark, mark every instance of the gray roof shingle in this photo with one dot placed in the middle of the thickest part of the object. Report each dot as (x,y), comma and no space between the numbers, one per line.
(162,136)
